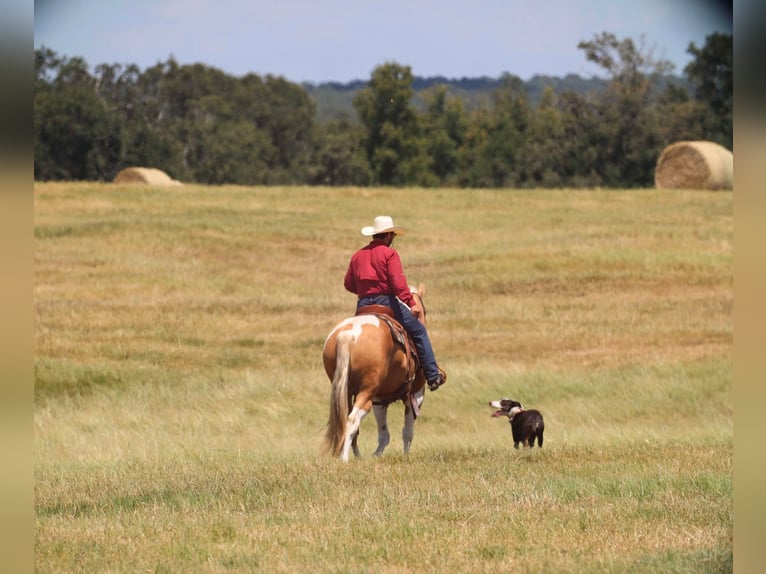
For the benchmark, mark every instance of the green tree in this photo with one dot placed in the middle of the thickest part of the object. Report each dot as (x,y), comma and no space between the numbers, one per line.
(339,157)
(711,73)
(288,119)
(445,124)
(189,104)
(545,146)
(683,117)
(581,140)
(220,147)
(143,143)
(474,160)
(76,136)
(228,130)
(509,120)
(630,137)
(394,146)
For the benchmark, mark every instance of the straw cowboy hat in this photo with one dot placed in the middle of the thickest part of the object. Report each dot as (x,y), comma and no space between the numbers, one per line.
(383,224)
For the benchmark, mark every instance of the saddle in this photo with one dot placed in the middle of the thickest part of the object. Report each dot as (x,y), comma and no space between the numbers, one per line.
(400,336)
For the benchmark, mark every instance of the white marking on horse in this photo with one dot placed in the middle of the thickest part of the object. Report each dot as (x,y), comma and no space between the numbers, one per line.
(357,323)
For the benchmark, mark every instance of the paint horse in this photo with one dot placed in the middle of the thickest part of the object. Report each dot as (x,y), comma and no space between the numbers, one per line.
(371,363)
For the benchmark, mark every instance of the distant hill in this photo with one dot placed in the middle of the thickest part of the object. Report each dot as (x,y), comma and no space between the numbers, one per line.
(335,100)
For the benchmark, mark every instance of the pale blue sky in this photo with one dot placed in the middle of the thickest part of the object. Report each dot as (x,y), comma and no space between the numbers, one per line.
(343,40)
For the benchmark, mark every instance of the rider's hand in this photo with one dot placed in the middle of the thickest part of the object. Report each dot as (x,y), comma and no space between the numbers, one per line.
(416,309)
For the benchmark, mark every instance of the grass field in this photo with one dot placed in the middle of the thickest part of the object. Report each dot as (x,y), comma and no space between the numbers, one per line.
(180,399)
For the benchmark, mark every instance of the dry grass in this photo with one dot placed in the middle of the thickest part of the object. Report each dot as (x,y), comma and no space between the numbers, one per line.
(180,399)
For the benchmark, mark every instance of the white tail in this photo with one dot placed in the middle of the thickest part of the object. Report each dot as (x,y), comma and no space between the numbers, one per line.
(336,425)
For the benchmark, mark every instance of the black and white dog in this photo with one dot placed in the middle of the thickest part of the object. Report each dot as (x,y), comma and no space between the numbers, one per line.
(525,425)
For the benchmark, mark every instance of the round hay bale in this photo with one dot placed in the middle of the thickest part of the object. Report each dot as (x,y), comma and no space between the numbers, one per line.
(695,165)
(145,176)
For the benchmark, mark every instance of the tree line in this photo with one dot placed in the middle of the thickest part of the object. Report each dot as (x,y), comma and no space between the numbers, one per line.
(199,124)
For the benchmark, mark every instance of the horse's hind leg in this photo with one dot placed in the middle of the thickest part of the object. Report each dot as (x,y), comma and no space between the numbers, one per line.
(384,437)
(352,429)
(408,430)
(354,446)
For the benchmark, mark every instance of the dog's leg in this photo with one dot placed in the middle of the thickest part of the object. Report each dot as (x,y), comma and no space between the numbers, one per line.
(384,437)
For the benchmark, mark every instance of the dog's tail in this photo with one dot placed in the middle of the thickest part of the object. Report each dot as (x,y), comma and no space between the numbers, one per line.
(539,428)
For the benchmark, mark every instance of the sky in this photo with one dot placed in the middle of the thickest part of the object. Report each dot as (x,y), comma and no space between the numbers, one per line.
(343,40)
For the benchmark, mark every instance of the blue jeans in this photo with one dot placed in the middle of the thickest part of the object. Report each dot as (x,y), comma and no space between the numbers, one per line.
(414,328)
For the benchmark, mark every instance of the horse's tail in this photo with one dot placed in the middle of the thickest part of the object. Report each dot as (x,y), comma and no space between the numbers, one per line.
(336,424)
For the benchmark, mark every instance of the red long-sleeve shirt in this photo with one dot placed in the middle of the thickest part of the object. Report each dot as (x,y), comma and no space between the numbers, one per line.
(376,269)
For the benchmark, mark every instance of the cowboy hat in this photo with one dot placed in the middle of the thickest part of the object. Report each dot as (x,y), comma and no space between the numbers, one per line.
(383,224)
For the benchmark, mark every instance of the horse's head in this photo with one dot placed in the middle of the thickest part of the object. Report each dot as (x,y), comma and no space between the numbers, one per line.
(418,294)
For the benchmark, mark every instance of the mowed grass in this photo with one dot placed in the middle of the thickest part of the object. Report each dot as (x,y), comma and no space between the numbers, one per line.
(180,399)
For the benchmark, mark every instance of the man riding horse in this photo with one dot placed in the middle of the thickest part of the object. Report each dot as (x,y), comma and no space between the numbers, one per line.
(376,276)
